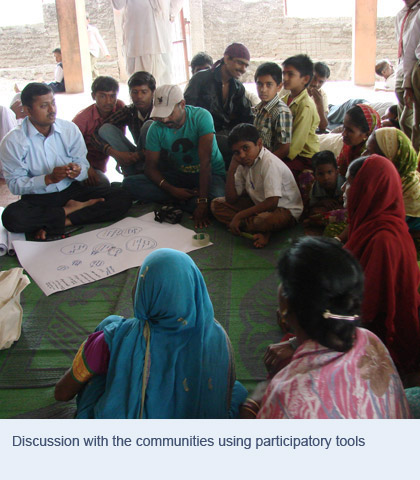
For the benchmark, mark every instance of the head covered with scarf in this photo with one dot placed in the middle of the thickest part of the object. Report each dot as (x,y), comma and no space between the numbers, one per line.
(379,239)
(173,360)
(396,146)
(350,152)
(234,50)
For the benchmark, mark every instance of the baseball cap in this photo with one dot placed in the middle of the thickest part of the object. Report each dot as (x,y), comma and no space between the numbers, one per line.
(165,99)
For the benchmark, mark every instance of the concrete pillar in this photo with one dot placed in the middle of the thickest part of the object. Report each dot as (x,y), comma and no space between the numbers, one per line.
(196,26)
(71,16)
(119,40)
(364,42)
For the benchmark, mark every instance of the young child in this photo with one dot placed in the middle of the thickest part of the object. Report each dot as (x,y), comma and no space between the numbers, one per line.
(261,193)
(58,85)
(297,75)
(273,118)
(321,75)
(390,118)
(325,195)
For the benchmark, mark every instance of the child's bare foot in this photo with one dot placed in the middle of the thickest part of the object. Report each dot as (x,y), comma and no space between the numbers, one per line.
(261,239)
(41,234)
(73,205)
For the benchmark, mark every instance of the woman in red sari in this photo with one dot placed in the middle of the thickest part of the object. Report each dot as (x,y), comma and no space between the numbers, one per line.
(379,239)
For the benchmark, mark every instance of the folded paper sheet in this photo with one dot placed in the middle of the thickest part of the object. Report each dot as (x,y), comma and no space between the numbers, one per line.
(3,236)
(7,239)
(85,258)
(12,283)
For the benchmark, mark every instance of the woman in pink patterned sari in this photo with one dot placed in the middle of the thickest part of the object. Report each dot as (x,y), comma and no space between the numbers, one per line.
(338,370)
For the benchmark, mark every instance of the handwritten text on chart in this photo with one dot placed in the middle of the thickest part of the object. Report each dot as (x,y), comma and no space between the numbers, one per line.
(97,254)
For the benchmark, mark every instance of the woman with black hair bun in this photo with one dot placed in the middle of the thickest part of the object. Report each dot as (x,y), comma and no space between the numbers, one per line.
(338,369)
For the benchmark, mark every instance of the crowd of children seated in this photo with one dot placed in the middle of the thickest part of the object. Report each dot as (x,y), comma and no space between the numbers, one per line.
(258,170)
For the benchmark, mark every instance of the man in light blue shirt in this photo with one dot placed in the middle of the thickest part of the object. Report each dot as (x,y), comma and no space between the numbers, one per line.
(44,161)
(195,172)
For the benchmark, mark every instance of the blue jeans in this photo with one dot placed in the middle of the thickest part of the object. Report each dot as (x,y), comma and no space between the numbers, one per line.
(116,138)
(143,189)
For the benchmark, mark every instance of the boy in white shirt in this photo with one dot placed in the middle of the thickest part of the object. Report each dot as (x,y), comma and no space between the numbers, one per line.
(261,193)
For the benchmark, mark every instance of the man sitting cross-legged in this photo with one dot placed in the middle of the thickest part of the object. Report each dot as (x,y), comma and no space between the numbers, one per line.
(195,172)
(112,140)
(104,92)
(44,160)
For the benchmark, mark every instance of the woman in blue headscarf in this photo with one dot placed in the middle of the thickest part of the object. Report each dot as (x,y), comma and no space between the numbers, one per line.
(172,360)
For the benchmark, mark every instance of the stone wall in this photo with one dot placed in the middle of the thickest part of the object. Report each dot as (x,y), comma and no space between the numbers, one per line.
(26,51)
(270,35)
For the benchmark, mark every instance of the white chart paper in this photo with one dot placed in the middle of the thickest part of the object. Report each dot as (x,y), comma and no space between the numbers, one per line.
(85,258)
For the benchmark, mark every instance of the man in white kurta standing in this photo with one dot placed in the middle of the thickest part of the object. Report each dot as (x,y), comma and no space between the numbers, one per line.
(147,35)
(404,22)
(96,46)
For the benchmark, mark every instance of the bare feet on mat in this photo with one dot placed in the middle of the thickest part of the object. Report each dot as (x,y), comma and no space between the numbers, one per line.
(261,239)
(73,205)
(41,234)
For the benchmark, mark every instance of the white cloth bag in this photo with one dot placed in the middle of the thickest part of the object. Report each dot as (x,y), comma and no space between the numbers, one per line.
(12,283)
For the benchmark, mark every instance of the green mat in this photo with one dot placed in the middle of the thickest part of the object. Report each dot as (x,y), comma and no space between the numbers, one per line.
(243,287)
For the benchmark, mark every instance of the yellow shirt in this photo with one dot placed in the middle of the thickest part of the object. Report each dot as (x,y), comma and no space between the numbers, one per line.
(305,122)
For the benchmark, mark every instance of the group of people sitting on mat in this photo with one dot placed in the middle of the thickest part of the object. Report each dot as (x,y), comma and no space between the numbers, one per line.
(257,170)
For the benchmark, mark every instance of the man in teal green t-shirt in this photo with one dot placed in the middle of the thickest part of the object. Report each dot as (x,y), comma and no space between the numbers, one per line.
(195,172)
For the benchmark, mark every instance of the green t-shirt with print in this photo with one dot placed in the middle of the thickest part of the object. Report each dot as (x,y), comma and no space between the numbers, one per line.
(182,143)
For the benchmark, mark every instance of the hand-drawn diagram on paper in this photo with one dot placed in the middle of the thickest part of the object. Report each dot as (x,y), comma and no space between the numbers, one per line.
(85,258)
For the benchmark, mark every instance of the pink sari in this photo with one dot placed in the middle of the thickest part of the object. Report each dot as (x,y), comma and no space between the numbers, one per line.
(323,383)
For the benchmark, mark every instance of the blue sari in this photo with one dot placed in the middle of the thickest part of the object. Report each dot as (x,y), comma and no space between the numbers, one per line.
(173,360)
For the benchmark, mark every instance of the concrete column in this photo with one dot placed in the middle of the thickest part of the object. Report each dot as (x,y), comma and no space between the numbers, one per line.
(71,16)
(197,26)
(364,42)
(119,39)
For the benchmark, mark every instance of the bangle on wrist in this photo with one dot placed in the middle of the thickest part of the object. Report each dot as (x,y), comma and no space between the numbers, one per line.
(251,401)
(161,182)
(293,343)
(251,406)
(338,239)
(201,200)
(252,412)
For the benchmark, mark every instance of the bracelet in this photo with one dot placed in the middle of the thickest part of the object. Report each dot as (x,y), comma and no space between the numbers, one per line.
(251,406)
(338,239)
(293,343)
(252,412)
(201,200)
(160,183)
(253,402)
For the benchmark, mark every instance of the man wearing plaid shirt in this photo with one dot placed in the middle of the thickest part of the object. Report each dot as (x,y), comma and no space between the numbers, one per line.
(273,118)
